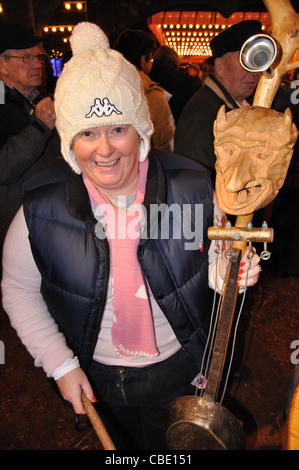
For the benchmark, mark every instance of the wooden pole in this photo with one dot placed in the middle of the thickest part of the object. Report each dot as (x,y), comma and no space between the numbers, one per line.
(97,424)
(285,23)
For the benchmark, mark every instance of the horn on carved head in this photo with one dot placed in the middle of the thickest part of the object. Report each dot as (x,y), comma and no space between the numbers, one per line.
(220,122)
(288,117)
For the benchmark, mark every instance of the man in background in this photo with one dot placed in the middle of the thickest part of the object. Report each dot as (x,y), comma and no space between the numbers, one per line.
(28,141)
(230,85)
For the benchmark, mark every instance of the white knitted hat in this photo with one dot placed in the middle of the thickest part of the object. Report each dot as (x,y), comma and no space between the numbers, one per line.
(98,87)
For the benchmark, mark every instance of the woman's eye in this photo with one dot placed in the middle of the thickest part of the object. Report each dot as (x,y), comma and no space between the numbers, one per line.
(87,134)
(118,130)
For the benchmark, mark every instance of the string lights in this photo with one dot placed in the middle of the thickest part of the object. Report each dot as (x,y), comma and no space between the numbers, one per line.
(62,29)
(66,29)
(77,5)
(190,33)
(191,40)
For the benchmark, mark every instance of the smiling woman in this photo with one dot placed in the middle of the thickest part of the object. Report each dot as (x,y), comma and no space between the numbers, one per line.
(116,99)
(109,157)
(123,316)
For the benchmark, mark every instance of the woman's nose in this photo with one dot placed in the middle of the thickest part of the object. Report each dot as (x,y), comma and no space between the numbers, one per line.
(104,147)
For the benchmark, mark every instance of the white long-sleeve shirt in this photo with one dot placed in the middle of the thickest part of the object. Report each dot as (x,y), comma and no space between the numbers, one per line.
(38,330)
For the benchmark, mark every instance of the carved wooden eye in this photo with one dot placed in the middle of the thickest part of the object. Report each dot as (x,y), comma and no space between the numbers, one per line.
(229,151)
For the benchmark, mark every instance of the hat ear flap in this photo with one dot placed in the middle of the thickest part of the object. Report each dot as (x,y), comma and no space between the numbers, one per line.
(144,149)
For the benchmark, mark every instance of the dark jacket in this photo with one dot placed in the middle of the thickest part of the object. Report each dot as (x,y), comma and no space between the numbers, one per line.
(27,146)
(74,263)
(180,85)
(194,135)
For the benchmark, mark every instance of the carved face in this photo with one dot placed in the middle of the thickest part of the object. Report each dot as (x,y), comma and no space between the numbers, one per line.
(253,146)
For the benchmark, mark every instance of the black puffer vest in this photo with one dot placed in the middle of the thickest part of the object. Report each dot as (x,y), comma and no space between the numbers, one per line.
(74,263)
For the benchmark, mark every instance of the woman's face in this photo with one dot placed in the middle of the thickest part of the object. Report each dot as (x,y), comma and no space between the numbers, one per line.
(109,157)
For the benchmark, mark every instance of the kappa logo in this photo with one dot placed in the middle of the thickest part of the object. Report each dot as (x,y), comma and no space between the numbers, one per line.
(102,108)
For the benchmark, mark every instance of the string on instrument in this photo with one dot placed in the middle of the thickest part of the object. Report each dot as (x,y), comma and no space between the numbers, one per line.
(214,322)
(249,257)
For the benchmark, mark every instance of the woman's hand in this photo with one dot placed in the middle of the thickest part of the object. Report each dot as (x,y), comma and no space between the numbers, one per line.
(252,266)
(71,386)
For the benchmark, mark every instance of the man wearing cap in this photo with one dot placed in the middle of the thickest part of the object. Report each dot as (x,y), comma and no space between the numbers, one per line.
(27,141)
(229,85)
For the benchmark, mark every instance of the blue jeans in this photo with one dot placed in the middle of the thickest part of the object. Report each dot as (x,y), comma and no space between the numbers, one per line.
(133,401)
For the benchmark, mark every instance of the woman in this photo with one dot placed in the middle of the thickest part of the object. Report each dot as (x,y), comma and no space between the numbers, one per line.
(104,297)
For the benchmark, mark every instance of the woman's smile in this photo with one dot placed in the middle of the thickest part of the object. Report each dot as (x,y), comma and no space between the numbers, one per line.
(107,164)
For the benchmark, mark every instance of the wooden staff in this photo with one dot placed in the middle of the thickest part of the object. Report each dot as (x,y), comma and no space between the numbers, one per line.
(97,424)
(285,30)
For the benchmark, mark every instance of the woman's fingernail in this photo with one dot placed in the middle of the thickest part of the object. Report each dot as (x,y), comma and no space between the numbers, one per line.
(239,278)
(94,399)
(242,263)
(241,271)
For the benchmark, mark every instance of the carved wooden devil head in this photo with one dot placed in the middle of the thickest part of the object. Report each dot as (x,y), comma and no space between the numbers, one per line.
(253,146)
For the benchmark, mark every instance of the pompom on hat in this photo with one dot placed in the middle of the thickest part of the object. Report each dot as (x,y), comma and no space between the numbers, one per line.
(98,87)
